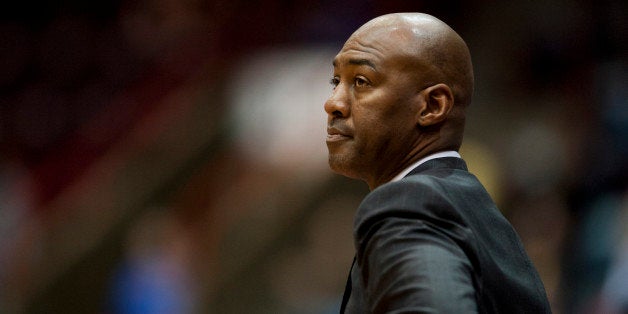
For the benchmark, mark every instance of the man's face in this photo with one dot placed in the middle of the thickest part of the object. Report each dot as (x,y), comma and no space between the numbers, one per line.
(372,110)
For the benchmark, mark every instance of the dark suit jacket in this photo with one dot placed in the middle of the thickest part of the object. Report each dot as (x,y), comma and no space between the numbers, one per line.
(434,242)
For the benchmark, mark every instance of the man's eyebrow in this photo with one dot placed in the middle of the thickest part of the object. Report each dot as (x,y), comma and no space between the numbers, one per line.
(366,62)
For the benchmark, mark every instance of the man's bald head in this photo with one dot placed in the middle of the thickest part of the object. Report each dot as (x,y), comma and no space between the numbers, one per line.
(401,83)
(436,47)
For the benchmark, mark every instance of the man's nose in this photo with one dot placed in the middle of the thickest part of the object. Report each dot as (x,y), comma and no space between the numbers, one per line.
(338,104)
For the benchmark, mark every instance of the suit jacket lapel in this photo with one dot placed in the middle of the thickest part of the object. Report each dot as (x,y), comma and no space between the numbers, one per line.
(348,287)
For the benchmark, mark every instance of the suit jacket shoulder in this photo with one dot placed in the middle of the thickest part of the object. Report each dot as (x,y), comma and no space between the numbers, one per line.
(423,194)
(442,222)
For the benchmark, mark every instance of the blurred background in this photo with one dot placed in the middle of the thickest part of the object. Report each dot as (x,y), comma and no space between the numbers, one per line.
(168,156)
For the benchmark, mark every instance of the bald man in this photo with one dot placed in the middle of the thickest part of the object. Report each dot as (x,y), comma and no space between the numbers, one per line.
(428,237)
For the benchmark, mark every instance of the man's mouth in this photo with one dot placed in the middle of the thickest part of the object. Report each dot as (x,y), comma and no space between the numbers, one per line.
(334,134)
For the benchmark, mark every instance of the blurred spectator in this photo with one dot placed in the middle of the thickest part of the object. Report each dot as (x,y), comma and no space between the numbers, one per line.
(156,274)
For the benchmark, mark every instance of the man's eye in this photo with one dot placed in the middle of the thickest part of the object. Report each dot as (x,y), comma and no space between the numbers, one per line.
(334,81)
(360,82)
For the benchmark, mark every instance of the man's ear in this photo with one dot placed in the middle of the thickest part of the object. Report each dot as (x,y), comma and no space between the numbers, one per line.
(436,102)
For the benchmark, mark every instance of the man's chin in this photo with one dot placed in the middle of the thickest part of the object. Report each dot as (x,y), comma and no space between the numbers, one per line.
(341,165)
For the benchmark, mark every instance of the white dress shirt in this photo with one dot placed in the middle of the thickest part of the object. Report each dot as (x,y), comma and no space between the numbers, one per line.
(448,153)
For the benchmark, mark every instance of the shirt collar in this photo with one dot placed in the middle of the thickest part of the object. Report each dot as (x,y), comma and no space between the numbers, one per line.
(448,153)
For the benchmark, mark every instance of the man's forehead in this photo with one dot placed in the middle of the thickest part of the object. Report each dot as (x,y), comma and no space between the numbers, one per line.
(371,49)
(359,55)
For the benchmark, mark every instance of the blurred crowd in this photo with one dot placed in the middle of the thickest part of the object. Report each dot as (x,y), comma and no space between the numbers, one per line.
(166,156)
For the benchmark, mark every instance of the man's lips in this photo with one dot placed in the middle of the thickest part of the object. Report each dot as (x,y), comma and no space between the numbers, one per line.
(335,134)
